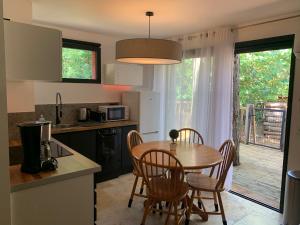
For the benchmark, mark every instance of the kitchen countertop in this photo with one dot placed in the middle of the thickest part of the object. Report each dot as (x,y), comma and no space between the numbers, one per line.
(71,166)
(92,126)
(83,126)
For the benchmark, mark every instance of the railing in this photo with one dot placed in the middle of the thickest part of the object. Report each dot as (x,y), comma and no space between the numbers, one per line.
(265,127)
(183,113)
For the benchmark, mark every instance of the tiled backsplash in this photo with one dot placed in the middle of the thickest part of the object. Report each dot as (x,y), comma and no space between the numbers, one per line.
(14,119)
(70,115)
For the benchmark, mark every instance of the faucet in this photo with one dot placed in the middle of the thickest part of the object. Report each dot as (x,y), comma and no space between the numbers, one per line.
(58,107)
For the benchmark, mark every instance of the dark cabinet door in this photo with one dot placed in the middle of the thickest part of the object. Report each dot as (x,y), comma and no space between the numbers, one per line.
(83,142)
(107,147)
(126,158)
(108,153)
(63,138)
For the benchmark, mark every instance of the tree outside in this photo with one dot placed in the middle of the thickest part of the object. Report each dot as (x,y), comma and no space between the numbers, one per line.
(184,77)
(77,63)
(264,76)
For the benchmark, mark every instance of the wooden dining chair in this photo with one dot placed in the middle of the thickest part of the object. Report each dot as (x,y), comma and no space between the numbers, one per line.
(169,188)
(134,139)
(211,183)
(189,135)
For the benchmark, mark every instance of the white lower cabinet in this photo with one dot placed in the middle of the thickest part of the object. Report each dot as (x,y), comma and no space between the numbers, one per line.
(69,201)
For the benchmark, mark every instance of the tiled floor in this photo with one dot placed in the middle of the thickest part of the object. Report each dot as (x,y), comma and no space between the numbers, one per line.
(259,175)
(113,198)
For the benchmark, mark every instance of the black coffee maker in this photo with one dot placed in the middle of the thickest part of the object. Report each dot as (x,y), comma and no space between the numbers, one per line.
(31,143)
(35,138)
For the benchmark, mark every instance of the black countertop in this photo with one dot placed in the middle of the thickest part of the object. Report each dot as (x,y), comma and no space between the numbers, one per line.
(16,153)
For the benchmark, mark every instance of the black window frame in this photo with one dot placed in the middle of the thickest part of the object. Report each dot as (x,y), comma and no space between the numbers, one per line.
(84,45)
(267,44)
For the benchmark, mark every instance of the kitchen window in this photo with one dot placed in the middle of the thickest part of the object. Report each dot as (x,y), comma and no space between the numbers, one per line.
(81,62)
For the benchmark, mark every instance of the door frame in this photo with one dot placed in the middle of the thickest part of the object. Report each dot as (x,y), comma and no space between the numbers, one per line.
(275,43)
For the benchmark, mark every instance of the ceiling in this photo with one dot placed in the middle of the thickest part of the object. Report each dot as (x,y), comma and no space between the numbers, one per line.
(171,17)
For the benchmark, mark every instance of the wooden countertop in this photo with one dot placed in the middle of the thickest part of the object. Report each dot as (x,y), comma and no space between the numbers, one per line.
(82,127)
(68,167)
(93,126)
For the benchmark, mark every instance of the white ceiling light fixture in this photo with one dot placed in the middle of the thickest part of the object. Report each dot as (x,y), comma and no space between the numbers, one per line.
(148,50)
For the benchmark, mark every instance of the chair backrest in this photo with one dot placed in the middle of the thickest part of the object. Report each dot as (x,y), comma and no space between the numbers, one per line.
(227,150)
(134,139)
(190,136)
(160,167)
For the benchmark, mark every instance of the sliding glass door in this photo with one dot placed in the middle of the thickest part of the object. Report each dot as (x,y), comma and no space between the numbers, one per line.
(263,85)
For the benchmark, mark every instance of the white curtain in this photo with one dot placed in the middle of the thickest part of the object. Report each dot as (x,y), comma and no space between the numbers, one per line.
(197,93)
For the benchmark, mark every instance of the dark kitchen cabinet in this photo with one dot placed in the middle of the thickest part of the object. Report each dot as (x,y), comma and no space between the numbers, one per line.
(63,138)
(126,166)
(109,153)
(107,147)
(83,142)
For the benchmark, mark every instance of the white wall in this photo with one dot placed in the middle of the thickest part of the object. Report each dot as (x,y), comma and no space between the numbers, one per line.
(18,10)
(4,173)
(285,27)
(20,96)
(76,93)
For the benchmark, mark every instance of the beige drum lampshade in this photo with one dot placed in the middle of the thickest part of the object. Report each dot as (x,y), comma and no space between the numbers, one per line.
(148,51)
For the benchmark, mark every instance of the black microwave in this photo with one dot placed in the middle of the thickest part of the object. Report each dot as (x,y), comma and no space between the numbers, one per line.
(114,112)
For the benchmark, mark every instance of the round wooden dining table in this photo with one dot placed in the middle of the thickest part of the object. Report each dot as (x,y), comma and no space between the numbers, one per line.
(191,156)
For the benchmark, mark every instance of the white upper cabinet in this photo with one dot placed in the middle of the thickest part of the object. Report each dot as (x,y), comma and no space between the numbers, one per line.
(123,74)
(32,52)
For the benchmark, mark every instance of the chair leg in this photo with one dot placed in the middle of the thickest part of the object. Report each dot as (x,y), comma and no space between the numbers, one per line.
(167,204)
(175,205)
(199,202)
(186,204)
(160,208)
(222,208)
(170,204)
(188,214)
(133,191)
(182,205)
(147,209)
(216,202)
(142,186)
(154,208)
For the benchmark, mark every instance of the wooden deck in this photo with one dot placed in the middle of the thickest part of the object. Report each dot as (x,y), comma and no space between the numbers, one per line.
(259,175)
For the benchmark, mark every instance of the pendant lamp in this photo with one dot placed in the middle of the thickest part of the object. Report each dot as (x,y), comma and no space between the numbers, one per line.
(148,50)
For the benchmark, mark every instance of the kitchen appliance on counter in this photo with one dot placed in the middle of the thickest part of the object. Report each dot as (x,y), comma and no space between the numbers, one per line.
(84,114)
(97,116)
(145,109)
(114,112)
(35,137)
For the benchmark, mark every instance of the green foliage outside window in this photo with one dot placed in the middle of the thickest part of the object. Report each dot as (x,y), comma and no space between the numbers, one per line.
(184,80)
(77,63)
(264,76)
